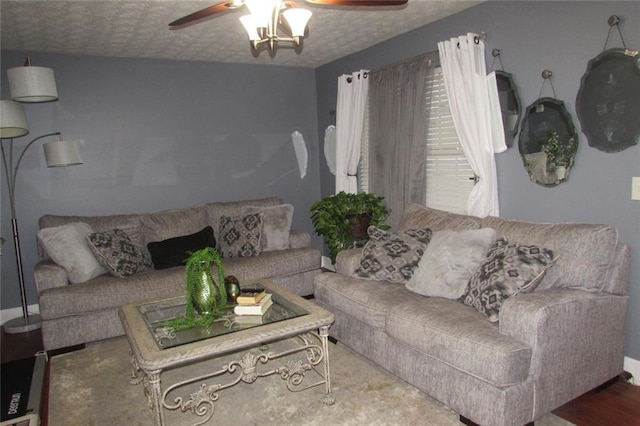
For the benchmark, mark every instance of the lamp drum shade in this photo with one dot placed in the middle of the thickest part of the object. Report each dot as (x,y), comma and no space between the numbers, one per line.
(62,153)
(32,84)
(13,122)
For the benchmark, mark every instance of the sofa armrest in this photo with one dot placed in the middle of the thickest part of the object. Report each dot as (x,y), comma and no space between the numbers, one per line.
(348,261)
(48,274)
(577,340)
(299,239)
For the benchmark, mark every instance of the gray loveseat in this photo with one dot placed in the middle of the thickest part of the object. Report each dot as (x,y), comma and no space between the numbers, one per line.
(77,313)
(549,346)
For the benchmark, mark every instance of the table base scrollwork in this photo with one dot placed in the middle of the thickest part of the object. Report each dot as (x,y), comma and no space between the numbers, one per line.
(247,369)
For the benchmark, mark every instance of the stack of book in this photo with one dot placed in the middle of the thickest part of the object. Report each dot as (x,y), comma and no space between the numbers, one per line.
(252,301)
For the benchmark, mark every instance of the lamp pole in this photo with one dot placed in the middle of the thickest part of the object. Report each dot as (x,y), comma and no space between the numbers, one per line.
(27,322)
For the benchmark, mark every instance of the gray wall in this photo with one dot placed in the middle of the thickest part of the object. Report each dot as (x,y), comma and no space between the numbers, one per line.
(157,135)
(533,36)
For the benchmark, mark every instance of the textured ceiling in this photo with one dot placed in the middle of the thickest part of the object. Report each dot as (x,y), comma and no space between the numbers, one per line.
(139,28)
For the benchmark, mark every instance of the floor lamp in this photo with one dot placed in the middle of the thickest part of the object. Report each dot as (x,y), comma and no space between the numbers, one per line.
(28,84)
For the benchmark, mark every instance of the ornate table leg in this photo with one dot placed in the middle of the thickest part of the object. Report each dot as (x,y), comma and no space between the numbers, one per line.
(135,371)
(155,395)
(328,399)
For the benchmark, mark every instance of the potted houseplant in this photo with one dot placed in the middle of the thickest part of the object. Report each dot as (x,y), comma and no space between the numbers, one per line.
(344,218)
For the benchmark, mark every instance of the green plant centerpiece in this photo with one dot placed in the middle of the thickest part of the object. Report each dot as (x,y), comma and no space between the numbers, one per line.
(343,218)
(206,299)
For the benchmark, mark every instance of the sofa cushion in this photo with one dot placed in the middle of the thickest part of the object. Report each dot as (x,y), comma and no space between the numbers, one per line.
(175,251)
(393,257)
(167,224)
(449,261)
(234,208)
(275,263)
(508,270)
(108,292)
(367,301)
(276,226)
(117,254)
(240,236)
(585,251)
(67,246)
(416,216)
(459,336)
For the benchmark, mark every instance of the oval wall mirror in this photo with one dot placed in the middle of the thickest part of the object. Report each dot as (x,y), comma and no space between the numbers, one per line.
(608,102)
(548,142)
(509,105)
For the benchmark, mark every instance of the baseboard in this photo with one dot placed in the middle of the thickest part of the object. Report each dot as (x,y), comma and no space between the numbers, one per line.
(632,366)
(11,313)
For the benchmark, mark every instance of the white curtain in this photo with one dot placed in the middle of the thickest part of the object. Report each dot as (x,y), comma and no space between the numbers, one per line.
(465,77)
(352,99)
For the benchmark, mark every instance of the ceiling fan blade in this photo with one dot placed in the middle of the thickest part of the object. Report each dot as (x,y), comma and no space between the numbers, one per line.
(358,2)
(204,13)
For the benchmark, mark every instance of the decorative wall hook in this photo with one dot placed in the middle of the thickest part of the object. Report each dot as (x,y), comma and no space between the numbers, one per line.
(546,75)
(614,21)
(496,53)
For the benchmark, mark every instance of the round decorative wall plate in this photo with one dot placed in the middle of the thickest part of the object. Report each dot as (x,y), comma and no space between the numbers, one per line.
(608,102)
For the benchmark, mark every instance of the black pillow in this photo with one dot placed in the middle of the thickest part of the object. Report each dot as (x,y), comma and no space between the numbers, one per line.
(175,251)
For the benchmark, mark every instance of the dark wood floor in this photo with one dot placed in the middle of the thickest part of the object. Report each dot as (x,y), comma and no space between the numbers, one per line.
(618,404)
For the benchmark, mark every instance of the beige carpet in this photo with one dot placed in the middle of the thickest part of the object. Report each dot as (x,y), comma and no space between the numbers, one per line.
(91,387)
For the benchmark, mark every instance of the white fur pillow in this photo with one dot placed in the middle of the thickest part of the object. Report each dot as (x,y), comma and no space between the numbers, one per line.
(67,246)
(276,226)
(449,262)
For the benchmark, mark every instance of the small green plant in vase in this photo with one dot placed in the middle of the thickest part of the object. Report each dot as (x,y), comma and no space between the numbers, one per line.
(206,299)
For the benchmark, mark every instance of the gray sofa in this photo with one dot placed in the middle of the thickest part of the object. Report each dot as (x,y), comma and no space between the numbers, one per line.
(548,347)
(74,314)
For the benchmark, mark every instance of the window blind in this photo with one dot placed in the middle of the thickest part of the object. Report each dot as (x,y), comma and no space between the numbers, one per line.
(363,167)
(448,174)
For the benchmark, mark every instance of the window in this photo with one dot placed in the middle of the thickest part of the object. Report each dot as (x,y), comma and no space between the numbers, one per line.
(448,174)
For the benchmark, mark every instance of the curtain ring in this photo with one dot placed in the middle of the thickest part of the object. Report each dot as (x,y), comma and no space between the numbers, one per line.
(480,37)
(349,79)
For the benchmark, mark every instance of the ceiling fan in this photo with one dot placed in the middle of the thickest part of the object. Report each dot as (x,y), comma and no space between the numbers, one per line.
(265,16)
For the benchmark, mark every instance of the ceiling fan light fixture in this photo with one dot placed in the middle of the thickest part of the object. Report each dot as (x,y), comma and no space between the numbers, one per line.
(265,16)
(263,10)
(297,20)
(249,24)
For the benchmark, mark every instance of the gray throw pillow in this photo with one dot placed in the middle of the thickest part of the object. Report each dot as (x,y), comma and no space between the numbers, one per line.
(276,225)
(240,235)
(509,269)
(391,256)
(117,254)
(67,246)
(449,261)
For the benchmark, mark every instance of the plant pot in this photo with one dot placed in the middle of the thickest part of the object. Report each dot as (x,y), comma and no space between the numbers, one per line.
(360,224)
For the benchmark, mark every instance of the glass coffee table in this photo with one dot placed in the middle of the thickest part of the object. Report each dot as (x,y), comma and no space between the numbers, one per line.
(253,343)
